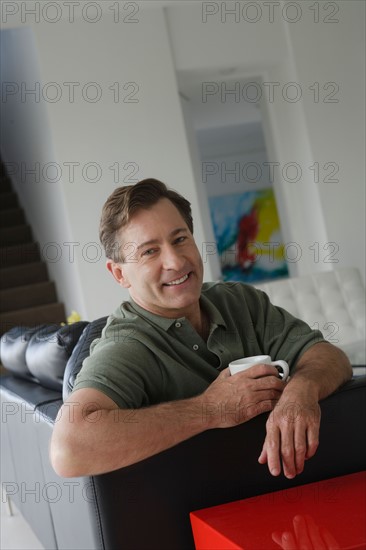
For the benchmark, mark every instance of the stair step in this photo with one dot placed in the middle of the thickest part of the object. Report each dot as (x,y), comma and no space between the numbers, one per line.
(8,200)
(13,216)
(32,316)
(19,254)
(22,275)
(15,234)
(27,297)
(22,297)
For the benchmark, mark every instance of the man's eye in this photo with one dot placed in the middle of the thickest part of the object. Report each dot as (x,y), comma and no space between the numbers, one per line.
(148,252)
(180,240)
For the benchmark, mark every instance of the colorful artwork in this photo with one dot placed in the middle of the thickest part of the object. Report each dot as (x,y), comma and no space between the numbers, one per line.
(248,237)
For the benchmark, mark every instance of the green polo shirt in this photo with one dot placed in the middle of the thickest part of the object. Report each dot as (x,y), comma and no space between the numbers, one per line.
(143,359)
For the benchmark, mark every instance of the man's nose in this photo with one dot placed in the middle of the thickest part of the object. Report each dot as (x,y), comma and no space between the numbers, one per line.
(172,259)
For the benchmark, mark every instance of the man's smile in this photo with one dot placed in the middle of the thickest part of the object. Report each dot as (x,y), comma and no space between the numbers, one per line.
(178,281)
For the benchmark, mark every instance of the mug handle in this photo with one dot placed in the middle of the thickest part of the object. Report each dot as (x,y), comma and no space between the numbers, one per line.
(285,368)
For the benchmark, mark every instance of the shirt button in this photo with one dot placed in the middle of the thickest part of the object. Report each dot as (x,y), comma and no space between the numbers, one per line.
(178,324)
(195,347)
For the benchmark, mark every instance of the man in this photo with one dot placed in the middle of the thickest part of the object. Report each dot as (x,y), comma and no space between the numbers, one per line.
(158,375)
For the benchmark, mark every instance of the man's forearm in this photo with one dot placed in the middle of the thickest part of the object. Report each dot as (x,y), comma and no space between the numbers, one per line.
(106,440)
(323,367)
(98,437)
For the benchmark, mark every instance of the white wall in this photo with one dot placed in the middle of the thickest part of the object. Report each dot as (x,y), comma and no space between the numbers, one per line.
(150,135)
(147,135)
(337,130)
(304,132)
(132,134)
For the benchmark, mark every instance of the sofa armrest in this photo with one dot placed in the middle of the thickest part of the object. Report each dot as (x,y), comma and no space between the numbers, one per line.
(92,331)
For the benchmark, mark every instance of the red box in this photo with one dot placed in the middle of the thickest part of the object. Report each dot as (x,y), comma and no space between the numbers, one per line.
(327,515)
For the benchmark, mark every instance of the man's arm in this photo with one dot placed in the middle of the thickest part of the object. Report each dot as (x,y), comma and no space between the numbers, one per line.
(93,436)
(293,426)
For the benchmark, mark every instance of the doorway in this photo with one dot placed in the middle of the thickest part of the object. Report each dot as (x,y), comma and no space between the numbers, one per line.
(235,175)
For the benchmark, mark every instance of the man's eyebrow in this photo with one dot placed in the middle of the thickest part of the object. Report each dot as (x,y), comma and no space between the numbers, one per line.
(155,241)
(178,230)
(147,243)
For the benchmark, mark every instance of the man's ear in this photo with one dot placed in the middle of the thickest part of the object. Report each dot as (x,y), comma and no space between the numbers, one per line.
(118,273)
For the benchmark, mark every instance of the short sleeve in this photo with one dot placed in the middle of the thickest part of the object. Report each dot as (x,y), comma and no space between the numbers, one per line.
(282,335)
(127,372)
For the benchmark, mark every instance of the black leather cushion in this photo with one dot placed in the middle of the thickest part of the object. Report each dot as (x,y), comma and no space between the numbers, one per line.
(30,394)
(92,331)
(13,346)
(48,351)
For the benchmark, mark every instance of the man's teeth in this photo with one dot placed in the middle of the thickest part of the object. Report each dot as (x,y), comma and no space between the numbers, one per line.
(178,281)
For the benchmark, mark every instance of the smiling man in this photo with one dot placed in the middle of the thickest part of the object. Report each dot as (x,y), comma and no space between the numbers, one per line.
(163,273)
(158,375)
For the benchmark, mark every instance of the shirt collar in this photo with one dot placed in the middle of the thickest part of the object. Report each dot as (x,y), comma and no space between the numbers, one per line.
(213,313)
(165,323)
(162,322)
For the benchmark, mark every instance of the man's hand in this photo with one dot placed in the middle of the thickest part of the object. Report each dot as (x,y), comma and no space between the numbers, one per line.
(232,400)
(292,430)
(293,426)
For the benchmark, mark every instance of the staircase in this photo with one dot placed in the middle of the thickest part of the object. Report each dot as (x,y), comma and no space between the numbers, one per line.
(27,296)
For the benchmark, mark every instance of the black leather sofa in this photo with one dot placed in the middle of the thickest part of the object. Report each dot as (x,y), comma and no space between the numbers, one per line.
(146,505)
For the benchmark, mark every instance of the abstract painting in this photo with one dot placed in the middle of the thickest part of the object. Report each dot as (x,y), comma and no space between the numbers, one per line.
(248,236)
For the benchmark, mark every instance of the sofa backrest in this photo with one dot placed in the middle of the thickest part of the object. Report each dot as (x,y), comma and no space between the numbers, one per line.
(146,505)
(82,349)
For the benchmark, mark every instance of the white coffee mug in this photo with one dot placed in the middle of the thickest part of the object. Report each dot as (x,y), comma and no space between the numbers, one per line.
(246,362)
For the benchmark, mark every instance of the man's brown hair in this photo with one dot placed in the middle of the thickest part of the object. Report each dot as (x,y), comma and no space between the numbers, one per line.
(125,201)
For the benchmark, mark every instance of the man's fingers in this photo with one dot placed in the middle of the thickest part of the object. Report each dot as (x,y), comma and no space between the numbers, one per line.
(263,456)
(225,373)
(292,437)
(312,440)
(288,452)
(300,443)
(273,446)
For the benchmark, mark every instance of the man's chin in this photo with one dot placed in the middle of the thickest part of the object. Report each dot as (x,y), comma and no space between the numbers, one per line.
(181,301)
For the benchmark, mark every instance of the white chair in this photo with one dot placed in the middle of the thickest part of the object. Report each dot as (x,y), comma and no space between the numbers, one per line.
(333,302)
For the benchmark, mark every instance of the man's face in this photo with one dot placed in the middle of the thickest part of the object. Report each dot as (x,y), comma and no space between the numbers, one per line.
(162,266)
